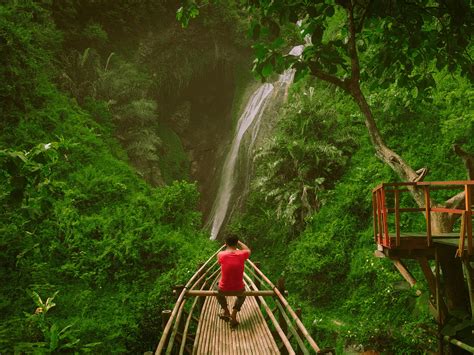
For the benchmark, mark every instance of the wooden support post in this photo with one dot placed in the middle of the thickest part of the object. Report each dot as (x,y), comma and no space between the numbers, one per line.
(201,300)
(257,282)
(281,319)
(385,219)
(432,285)
(462,235)
(177,290)
(468,199)
(379,217)
(453,277)
(165,317)
(469,273)
(397,218)
(428,214)
(404,272)
(300,334)
(374,216)
(438,298)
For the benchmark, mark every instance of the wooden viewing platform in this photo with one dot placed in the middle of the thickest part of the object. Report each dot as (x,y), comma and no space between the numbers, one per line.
(446,259)
(268,325)
(386,203)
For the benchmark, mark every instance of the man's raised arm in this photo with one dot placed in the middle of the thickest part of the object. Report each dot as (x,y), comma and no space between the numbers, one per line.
(242,246)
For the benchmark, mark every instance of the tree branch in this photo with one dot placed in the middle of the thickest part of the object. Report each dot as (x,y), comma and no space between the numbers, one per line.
(468,160)
(327,77)
(352,49)
(456,201)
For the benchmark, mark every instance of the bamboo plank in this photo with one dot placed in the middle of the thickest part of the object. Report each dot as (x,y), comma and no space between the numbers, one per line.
(209,329)
(252,336)
(268,345)
(261,326)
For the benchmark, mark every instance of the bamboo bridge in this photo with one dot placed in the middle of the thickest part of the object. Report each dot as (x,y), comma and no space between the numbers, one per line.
(268,324)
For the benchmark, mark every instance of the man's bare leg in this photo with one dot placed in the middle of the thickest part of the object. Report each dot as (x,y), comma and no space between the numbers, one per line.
(226,313)
(233,318)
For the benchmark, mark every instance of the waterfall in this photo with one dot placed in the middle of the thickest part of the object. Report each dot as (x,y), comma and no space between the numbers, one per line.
(248,121)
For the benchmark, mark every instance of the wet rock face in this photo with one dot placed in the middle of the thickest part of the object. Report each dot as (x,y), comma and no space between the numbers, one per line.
(180,118)
(203,121)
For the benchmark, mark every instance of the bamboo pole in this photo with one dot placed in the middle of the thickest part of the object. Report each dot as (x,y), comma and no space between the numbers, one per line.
(290,310)
(175,329)
(280,332)
(459,343)
(191,280)
(257,282)
(292,329)
(188,322)
(213,293)
(281,319)
(298,313)
(203,275)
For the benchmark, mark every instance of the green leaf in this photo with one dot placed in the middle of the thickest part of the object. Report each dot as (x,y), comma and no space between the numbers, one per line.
(267,70)
(260,51)
(54,337)
(179,14)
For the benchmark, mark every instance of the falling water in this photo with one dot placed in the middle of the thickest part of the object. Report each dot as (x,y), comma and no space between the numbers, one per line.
(249,120)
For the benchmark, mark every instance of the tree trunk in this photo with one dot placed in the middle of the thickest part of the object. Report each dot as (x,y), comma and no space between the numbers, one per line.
(388,156)
(440,222)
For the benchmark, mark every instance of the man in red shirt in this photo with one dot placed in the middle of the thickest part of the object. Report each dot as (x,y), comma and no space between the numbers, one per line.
(232,262)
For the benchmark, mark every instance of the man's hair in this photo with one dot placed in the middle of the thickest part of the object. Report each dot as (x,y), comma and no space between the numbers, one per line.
(232,240)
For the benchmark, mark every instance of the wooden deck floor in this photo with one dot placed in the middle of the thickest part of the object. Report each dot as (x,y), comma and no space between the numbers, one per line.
(252,336)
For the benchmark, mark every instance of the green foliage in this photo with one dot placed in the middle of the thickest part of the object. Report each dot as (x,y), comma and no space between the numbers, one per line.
(75,217)
(395,41)
(306,156)
(27,37)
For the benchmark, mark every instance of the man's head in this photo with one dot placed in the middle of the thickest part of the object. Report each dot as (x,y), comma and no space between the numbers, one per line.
(231,240)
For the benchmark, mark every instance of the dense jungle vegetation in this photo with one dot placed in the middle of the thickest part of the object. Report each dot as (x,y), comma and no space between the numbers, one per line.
(99,216)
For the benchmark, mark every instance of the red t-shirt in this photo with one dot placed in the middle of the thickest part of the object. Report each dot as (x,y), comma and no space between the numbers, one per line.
(232,269)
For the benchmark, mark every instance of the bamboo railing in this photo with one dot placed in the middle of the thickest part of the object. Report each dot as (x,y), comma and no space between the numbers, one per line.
(180,326)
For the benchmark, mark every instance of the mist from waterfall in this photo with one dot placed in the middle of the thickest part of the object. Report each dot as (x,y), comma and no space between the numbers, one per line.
(248,123)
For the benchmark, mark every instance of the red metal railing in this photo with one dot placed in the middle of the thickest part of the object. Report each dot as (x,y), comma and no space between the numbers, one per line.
(382,193)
